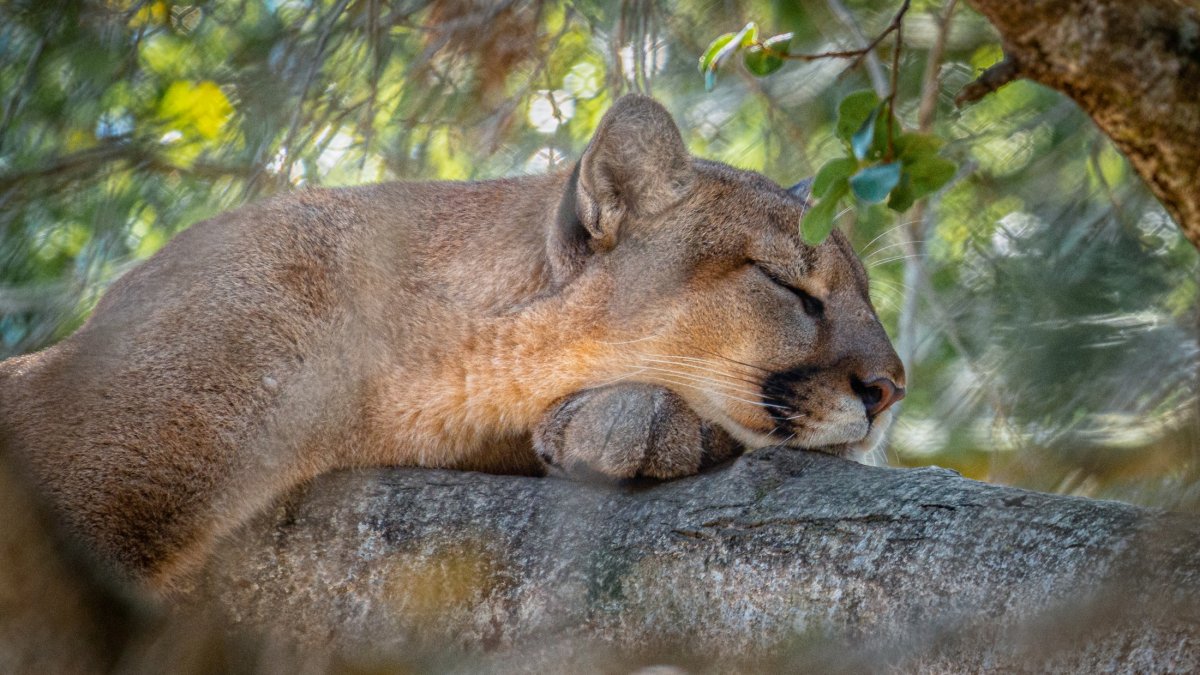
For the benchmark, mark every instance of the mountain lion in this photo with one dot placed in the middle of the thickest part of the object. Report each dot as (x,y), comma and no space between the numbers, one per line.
(643,313)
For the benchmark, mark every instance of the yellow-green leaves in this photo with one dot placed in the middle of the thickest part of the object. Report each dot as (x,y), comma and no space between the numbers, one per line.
(761,58)
(881,162)
(195,108)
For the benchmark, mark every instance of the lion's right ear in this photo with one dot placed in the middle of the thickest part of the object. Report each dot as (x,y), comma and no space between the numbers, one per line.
(635,165)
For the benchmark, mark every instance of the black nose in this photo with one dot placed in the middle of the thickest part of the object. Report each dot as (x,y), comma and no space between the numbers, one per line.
(877,394)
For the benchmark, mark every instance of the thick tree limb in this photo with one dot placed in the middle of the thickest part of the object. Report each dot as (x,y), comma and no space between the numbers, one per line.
(1134,67)
(782,560)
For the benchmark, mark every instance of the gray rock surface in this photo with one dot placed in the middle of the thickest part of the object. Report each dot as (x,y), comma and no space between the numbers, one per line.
(781,560)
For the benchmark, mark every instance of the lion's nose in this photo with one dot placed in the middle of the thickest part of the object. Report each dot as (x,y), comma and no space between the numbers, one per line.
(877,394)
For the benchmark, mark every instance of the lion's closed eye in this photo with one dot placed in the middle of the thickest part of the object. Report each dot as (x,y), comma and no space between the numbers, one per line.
(812,304)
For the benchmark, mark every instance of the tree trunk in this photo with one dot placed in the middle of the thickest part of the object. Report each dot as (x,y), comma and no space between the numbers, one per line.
(782,560)
(1133,66)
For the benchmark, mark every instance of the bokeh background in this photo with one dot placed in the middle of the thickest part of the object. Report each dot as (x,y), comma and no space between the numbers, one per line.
(1045,304)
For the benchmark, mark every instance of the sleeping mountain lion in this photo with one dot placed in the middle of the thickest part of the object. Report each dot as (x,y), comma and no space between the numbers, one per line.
(643,313)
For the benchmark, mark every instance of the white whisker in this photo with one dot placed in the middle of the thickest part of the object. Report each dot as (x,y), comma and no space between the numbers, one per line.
(877,263)
(617,379)
(726,358)
(867,248)
(718,393)
(895,285)
(629,342)
(683,361)
(879,250)
(701,378)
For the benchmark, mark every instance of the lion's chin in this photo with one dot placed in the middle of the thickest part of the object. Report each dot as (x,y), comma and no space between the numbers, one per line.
(858,450)
(753,439)
(861,449)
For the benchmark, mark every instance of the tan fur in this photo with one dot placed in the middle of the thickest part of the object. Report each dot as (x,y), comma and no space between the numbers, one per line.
(431,324)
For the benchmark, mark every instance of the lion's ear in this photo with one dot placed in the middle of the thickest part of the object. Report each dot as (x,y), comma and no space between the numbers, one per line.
(636,164)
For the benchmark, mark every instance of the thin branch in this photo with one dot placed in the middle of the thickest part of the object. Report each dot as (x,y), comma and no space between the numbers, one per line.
(66,165)
(118,149)
(930,82)
(990,80)
(874,70)
(857,54)
(317,61)
(891,99)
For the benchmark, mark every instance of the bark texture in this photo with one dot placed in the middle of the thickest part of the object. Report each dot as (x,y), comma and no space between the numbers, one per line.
(1133,66)
(782,560)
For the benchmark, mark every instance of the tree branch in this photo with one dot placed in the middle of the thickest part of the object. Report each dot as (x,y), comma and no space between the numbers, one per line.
(1132,66)
(784,555)
(992,78)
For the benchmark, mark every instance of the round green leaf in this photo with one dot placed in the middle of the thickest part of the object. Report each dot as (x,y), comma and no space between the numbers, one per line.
(853,111)
(912,146)
(929,173)
(873,183)
(832,173)
(761,62)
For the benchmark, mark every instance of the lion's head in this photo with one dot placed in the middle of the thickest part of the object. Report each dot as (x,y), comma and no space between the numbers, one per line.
(699,281)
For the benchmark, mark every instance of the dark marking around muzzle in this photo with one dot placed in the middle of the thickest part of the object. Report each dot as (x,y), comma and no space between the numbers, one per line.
(785,395)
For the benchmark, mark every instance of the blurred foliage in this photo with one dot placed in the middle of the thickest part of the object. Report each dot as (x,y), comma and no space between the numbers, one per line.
(1046,305)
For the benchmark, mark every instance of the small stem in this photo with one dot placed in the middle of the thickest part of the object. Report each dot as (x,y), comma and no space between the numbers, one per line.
(891,99)
(930,81)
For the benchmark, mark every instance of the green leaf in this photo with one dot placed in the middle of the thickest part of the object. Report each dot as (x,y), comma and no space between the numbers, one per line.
(761,63)
(929,173)
(764,61)
(873,183)
(921,176)
(912,146)
(853,111)
(832,173)
(860,142)
(902,195)
(722,48)
(710,54)
(749,35)
(779,43)
(817,222)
